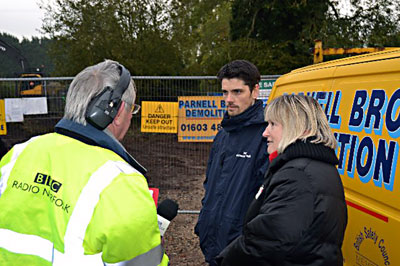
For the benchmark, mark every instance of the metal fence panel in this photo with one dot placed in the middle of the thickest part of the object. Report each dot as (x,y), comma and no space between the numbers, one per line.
(173,166)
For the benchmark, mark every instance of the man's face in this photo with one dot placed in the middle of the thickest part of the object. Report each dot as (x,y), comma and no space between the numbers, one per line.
(237,96)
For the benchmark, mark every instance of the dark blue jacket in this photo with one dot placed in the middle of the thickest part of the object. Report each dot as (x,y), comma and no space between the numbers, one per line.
(235,170)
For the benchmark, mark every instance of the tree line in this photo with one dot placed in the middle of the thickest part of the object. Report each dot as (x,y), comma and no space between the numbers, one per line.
(192,37)
(34,53)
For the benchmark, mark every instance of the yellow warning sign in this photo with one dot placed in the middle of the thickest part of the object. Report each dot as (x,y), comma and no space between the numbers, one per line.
(3,128)
(159,117)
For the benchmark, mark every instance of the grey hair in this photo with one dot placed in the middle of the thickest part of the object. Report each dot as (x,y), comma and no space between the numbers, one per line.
(88,84)
(301,117)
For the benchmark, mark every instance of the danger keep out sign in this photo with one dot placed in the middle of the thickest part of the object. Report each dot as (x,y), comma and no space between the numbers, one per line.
(159,117)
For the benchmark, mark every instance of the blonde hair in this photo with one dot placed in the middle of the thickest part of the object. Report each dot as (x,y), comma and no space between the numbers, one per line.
(301,117)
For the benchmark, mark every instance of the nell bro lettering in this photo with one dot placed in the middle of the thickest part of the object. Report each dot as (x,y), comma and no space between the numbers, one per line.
(371,157)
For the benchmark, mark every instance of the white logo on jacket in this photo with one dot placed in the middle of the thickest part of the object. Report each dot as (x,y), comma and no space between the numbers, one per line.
(260,190)
(244,155)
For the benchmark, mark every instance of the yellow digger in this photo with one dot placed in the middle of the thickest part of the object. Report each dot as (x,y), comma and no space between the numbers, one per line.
(31,86)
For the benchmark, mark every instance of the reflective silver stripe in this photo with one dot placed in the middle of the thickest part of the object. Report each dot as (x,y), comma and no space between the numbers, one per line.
(151,258)
(6,169)
(84,208)
(26,244)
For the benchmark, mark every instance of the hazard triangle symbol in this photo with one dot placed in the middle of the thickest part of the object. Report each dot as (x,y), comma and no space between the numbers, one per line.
(159,109)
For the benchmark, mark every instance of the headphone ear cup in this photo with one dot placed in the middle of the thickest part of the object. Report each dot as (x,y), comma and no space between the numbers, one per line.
(99,113)
(104,107)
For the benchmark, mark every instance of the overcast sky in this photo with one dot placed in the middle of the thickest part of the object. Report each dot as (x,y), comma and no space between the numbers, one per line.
(21,18)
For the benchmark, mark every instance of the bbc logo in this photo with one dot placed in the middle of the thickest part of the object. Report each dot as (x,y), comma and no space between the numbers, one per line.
(48,181)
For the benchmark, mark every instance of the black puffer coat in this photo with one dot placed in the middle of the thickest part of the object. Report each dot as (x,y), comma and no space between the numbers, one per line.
(300,215)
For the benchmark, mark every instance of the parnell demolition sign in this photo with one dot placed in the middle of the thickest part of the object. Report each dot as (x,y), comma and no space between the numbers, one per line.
(159,117)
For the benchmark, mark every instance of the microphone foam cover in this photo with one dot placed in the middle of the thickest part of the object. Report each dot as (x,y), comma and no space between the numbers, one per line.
(168,209)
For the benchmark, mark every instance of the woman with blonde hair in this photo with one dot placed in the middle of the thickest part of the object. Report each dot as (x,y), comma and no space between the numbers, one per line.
(299,215)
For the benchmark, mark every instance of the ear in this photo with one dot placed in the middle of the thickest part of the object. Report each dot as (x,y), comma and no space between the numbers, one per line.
(256,91)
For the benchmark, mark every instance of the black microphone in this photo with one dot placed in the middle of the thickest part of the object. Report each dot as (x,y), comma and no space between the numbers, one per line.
(166,211)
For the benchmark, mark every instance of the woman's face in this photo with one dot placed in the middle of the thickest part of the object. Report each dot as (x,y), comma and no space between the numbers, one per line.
(273,133)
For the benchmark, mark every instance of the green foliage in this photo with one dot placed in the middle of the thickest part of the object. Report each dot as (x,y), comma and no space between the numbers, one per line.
(284,30)
(131,32)
(289,27)
(196,28)
(209,38)
(191,37)
(9,65)
(277,20)
(34,51)
(369,24)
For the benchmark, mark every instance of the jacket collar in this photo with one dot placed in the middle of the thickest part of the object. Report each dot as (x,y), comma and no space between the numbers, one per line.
(305,149)
(252,115)
(92,136)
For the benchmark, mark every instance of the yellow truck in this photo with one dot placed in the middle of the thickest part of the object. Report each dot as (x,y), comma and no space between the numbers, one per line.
(361,99)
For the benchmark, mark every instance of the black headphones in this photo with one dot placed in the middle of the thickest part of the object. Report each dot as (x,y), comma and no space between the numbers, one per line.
(104,107)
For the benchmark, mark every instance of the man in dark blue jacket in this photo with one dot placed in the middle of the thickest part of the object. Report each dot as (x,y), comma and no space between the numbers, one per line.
(237,162)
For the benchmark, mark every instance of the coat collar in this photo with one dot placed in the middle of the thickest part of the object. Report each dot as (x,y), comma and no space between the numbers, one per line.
(92,136)
(305,149)
(252,115)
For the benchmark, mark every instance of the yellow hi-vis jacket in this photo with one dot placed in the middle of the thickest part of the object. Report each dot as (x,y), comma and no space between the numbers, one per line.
(63,202)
